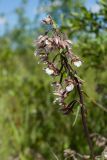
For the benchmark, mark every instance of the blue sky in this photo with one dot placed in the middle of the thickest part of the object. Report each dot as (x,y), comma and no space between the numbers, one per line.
(8,6)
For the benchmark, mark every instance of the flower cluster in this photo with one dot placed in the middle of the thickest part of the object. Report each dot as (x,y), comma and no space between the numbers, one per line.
(55,51)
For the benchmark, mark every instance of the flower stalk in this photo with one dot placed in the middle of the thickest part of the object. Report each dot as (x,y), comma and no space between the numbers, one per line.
(55,51)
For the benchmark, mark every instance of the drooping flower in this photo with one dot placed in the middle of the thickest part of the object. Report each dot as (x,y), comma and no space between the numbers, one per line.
(58,92)
(42,38)
(76,61)
(49,45)
(40,42)
(69,54)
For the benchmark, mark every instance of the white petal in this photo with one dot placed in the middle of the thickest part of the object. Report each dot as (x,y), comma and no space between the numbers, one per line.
(77,63)
(47,42)
(49,71)
(69,87)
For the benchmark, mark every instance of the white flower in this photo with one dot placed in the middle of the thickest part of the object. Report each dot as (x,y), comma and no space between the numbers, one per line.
(69,87)
(49,71)
(77,63)
(41,39)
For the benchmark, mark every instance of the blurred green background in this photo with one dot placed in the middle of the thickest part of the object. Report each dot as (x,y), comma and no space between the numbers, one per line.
(31,126)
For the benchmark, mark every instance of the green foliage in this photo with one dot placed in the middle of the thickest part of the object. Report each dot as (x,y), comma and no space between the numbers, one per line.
(32,128)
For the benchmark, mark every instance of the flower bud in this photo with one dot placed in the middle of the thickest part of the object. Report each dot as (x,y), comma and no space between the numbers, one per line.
(48,20)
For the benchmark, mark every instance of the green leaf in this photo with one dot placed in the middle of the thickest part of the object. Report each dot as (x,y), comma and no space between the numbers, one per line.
(77,114)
